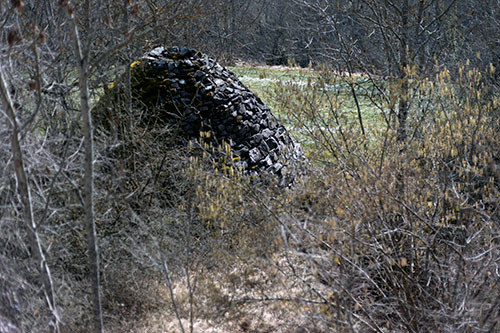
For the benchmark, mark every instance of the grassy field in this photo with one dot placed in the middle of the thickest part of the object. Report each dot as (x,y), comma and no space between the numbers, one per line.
(308,101)
(264,80)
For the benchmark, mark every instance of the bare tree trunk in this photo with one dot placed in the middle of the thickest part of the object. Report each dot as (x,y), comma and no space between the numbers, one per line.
(403,76)
(127,82)
(82,66)
(418,46)
(25,196)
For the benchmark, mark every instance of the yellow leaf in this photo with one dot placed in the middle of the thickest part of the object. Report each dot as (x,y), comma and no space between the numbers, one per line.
(135,63)
(403,262)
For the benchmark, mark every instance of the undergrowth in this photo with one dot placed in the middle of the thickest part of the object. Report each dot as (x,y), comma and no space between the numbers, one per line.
(380,235)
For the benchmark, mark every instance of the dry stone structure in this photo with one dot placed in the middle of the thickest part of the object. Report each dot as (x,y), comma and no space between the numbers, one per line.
(193,91)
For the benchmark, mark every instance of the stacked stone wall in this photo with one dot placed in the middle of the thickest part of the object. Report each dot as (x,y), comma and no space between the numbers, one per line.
(191,90)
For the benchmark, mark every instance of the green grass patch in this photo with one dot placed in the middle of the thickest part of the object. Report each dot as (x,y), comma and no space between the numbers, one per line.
(304,99)
(264,80)
(261,80)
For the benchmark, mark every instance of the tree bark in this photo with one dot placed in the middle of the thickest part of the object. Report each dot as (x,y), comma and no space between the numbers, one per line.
(403,75)
(24,193)
(88,190)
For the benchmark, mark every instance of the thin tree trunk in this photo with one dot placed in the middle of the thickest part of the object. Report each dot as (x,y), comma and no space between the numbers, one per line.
(88,190)
(418,46)
(404,93)
(127,81)
(25,196)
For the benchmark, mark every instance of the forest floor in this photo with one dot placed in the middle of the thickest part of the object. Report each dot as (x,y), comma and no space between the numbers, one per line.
(265,310)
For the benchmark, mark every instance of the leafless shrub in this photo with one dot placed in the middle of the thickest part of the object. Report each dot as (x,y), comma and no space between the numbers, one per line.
(401,236)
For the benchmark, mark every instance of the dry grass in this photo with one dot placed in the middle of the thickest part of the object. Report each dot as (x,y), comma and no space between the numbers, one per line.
(237,299)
